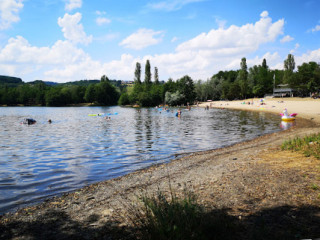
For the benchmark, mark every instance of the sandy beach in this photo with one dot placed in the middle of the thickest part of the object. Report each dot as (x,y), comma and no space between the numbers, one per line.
(305,107)
(270,193)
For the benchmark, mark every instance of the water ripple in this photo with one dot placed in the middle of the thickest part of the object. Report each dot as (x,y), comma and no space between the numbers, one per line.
(42,160)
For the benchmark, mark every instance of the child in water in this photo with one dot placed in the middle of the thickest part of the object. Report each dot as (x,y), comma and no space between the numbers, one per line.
(178,114)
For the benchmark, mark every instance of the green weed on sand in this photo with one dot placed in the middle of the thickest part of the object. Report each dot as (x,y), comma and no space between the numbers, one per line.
(182,218)
(309,145)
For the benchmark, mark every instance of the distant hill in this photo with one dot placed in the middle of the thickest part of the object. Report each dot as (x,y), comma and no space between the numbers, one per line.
(40,81)
(14,81)
(81,82)
(85,83)
(10,81)
(50,83)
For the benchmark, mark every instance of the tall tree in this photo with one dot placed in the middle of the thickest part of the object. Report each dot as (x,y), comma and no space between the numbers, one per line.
(261,79)
(156,76)
(243,78)
(289,66)
(147,73)
(137,73)
(264,64)
(289,63)
(104,78)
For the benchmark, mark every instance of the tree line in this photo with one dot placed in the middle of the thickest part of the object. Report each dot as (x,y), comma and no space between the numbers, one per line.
(41,94)
(149,93)
(259,80)
(234,84)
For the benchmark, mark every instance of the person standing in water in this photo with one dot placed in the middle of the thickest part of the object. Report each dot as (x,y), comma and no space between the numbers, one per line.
(178,114)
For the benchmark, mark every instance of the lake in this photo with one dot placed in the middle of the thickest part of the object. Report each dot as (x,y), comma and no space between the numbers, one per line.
(42,160)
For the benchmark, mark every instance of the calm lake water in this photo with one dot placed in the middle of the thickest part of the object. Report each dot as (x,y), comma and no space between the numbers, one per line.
(42,160)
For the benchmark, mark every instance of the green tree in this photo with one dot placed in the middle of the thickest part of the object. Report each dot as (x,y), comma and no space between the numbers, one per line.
(40,92)
(124,99)
(243,78)
(137,73)
(77,94)
(264,64)
(170,86)
(54,97)
(145,99)
(234,91)
(156,76)
(308,77)
(90,94)
(106,94)
(104,78)
(156,94)
(260,79)
(289,66)
(147,74)
(186,88)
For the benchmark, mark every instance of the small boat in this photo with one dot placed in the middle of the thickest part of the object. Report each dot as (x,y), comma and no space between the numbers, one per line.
(286,117)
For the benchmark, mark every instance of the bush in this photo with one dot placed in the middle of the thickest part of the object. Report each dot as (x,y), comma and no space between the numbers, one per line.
(124,99)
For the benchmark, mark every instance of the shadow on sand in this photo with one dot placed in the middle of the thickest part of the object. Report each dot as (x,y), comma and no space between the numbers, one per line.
(285,222)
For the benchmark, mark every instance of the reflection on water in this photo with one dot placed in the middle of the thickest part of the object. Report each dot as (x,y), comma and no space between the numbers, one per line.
(42,160)
(286,125)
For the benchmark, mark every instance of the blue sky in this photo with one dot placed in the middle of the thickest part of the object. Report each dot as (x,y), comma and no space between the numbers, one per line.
(67,40)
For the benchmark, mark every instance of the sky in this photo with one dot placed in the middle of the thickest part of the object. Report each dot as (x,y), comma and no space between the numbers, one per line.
(69,40)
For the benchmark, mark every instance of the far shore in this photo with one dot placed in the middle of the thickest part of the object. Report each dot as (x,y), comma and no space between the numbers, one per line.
(269,193)
(307,108)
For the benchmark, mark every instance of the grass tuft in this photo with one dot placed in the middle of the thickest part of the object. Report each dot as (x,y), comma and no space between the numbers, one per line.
(309,145)
(171,217)
(314,187)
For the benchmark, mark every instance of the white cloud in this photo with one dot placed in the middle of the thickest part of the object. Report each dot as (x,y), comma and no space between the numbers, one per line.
(221,23)
(73,4)
(295,48)
(72,29)
(200,57)
(316,28)
(102,20)
(142,38)
(20,58)
(264,14)
(174,39)
(171,5)
(219,49)
(9,10)
(310,56)
(286,38)
(100,12)
(19,50)
(223,41)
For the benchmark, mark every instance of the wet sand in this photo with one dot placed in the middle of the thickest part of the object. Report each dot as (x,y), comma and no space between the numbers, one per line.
(254,183)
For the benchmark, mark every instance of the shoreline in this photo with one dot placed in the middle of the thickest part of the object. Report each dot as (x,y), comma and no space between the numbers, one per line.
(273,105)
(221,178)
